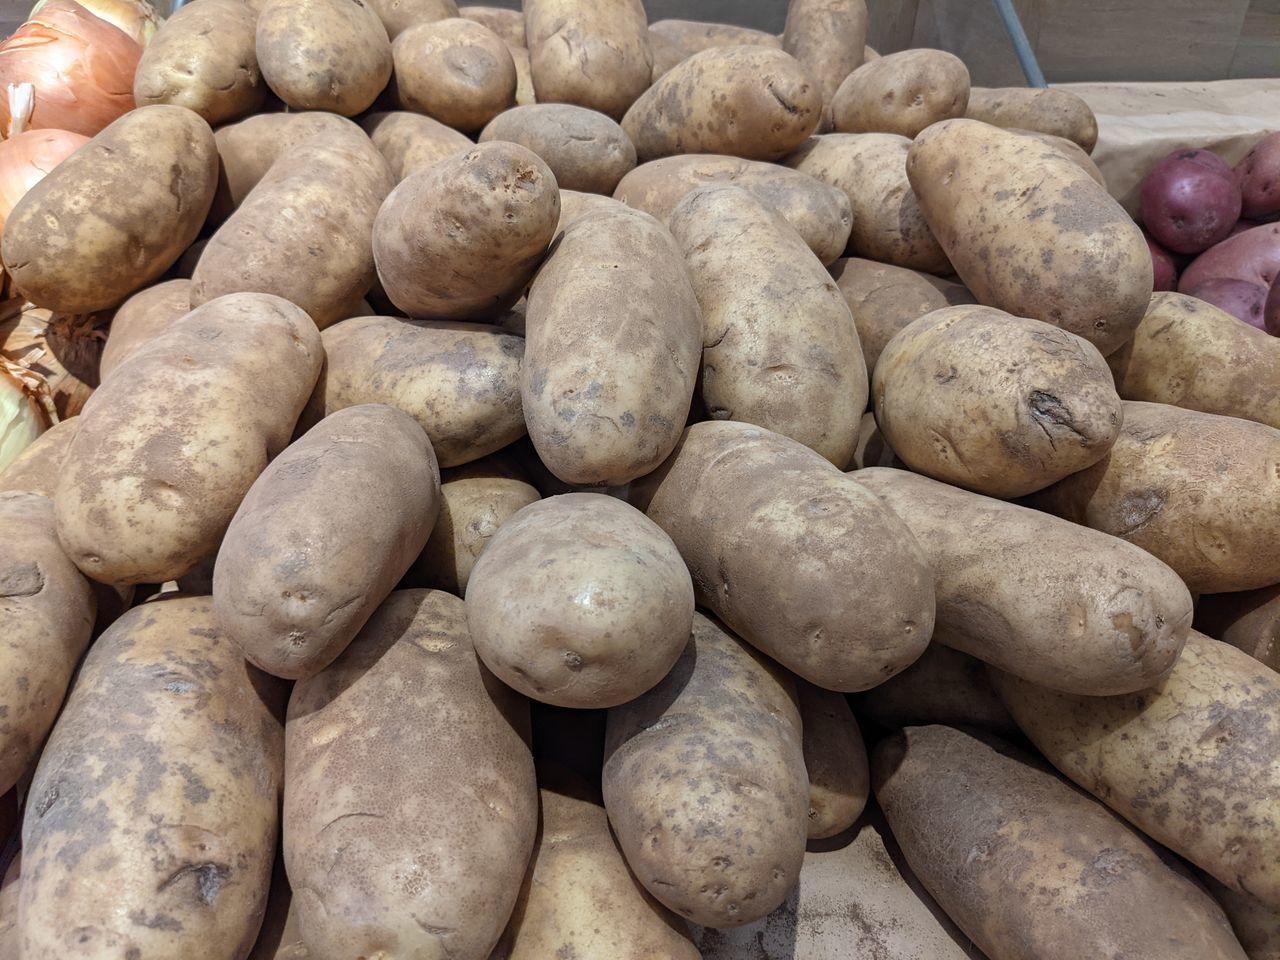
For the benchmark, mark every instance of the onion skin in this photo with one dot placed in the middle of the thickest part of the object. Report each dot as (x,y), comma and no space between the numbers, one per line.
(26,158)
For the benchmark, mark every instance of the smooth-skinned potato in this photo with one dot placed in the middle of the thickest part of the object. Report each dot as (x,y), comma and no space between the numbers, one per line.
(705,785)
(1252,255)
(432,850)
(1044,110)
(150,830)
(586,150)
(1030,232)
(142,317)
(1248,620)
(37,468)
(674,40)
(835,759)
(455,70)
(398,15)
(114,215)
(901,93)
(508,24)
(1069,149)
(410,141)
(170,444)
(828,38)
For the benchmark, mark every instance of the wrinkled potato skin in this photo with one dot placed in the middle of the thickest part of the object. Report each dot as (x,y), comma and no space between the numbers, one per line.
(901,93)
(461,381)
(329,55)
(168,447)
(828,38)
(709,807)
(776,105)
(580,601)
(871,169)
(461,238)
(1069,149)
(1256,926)
(204,58)
(1052,602)
(586,150)
(818,212)
(153,814)
(780,348)
(37,468)
(1193,763)
(398,15)
(614,339)
(1190,354)
(835,759)
(1249,621)
(437,877)
(739,503)
(457,71)
(1194,489)
(410,141)
(116,214)
(595,55)
(1029,867)
(1051,412)
(144,316)
(508,24)
(1029,232)
(673,41)
(1052,111)
(46,616)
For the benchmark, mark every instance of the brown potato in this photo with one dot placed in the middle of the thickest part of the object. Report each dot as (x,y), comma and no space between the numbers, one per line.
(901,93)
(575,206)
(1248,620)
(1194,763)
(432,850)
(871,169)
(525,95)
(455,70)
(1029,232)
(398,15)
(1256,926)
(169,446)
(828,38)
(37,468)
(508,24)
(1051,412)
(739,502)
(586,150)
(835,760)
(1197,490)
(144,316)
(461,237)
(1029,867)
(279,938)
(150,830)
(411,141)
(780,348)
(1069,149)
(751,102)
(1045,110)
(705,785)
(872,449)
(673,41)
(116,214)
(1100,618)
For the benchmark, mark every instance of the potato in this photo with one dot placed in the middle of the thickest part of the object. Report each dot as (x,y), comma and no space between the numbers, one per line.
(766,527)
(1045,110)
(828,38)
(329,55)
(614,337)
(462,237)
(1051,412)
(675,40)
(871,169)
(585,149)
(1257,927)
(320,256)
(580,601)
(1027,866)
(595,55)
(9,943)
(1259,174)
(411,141)
(432,850)
(780,349)
(169,446)
(1196,490)
(152,819)
(46,616)
(204,58)
(885,299)
(279,938)
(455,70)
(1067,148)
(901,93)
(818,212)
(1248,620)
(1193,763)
(574,206)
(1238,298)
(37,468)
(1190,201)
(144,316)
(525,95)
(1253,255)
(1191,354)
(872,449)
(985,194)
(705,785)
(116,214)
(508,24)
(398,15)
(835,760)
(1100,617)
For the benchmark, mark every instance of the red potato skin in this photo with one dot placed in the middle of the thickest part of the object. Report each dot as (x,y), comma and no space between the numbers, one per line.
(1271,311)
(1259,174)
(1166,271)
(1253,255)
(1240,298)
(1190,201)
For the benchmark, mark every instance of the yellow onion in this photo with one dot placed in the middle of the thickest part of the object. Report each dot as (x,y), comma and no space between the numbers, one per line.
(137,18)
(26,409)
(26,158)
(61,349)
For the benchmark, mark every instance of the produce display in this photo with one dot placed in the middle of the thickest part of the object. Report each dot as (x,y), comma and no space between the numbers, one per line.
(492,484)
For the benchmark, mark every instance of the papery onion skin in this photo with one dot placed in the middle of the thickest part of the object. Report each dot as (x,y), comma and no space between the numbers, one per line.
(64,350)
(26,158)
(23,415)
(137,18)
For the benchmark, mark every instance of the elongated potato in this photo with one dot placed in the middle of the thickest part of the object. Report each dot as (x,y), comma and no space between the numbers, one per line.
(508,24)
(455,70)
(614,336)
(818,212)
(144,316)
(1053,410)
(705,785)
(901,93)
(673,41)
(828,38)
(1069,149)
(204,58)
(169,446)
(150,830)
(398,15)
(779,347)
(766,527)
(1029,867)
(432,851)
(1046,110)
(1029,232)
(1194,763)
(114,215)
(1101,618)
(751,102)
(1249,621)
(37,468)
(835,760)
(871,169)
(585,149)
(1256,926)
(411,141)
(46,615)
(1195,489)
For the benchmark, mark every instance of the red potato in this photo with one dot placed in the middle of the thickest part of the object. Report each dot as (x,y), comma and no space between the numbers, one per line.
(1253,255)
(1166,271)
(1240,298)
(1271,310)
(1259,174)
(1190,201)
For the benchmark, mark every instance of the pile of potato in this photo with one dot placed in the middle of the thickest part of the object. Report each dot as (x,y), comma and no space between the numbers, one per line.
(564,488)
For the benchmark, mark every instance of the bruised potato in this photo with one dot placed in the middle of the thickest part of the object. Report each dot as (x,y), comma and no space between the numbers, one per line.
(901,93)
(586,150)
(455,70)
